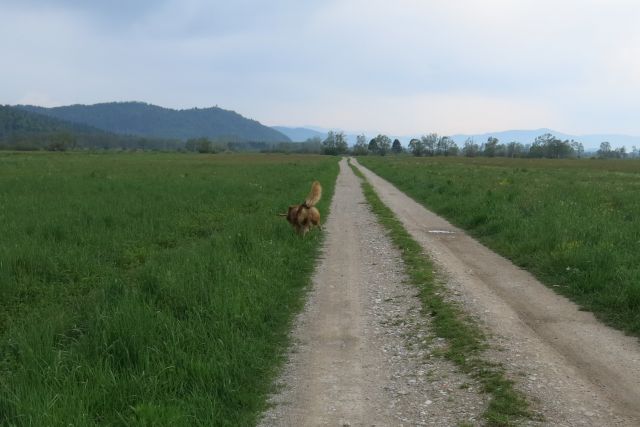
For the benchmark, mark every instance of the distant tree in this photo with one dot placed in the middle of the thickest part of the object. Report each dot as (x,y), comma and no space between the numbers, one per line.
(396,147)
(341,143)
(561,149)
(190,145)
(440,146)
(536,149)
(203,145)
(490,147)
(61,141)
(373,146)
(470,148)
(446,147)
(335,143)
(430,141)
(329,144)
(312,145)
(550,147)
(514,149)
(577,147)
(384,144)
(416,146)
(452,149)
(360,148)
(605,150)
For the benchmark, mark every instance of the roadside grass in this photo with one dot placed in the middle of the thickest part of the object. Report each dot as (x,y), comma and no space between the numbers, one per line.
(465,341)
(148,289)
(575,224)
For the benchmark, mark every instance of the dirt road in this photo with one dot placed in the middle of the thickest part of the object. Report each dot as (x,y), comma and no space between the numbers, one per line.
(578,371)
(361,353)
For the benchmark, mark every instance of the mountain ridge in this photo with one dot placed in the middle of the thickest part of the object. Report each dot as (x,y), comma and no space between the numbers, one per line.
(299,133)
(149,120)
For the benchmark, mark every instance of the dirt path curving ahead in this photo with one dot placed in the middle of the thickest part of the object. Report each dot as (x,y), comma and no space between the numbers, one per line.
(578,371)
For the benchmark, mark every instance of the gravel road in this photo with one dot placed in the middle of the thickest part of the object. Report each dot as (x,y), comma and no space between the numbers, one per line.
(362,351)
(574,369)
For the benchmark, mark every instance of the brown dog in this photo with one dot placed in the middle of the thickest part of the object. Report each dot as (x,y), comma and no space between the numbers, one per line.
(304,216)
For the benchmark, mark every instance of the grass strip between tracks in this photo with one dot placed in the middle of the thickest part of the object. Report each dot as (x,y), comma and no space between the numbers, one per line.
(465,340)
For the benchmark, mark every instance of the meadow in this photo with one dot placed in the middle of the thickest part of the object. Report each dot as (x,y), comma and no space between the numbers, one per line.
(148,289)
(575,224)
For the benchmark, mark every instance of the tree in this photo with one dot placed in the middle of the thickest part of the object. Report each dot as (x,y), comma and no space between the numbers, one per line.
(329,144)
(452,149)
(416,146)
(446,147)
(577,147)
(203,145)
(384,144)
(621,152)
(335,143)
(341,143)
(605,150)
(430,141)
(373,145)
(514,149)
(490,147)
(551,147)
(312,145)
(360,148)
(61,141)
(190,145)
(396,147)
(470,148)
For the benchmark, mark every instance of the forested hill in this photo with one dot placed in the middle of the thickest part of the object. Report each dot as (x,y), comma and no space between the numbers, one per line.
(27,130)
(16,122)
(141,119)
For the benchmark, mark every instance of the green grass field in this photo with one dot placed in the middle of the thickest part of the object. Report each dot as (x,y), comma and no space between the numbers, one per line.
(148,289)
(575,224)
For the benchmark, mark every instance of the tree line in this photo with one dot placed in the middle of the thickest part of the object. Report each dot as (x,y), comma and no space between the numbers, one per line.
(544,146)
(336,143)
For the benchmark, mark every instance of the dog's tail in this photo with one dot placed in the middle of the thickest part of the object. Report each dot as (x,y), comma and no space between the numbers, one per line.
(314,194)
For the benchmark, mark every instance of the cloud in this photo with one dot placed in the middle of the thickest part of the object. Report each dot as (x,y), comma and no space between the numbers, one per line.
(444,113)
(465,65)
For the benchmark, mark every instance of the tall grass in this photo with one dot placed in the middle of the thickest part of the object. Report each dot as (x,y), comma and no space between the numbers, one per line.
(148,289)
(574,224)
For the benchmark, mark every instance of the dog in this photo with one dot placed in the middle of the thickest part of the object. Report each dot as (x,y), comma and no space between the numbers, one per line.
(305,215)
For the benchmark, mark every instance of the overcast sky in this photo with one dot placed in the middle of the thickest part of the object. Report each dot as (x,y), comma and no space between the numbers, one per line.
(400,67)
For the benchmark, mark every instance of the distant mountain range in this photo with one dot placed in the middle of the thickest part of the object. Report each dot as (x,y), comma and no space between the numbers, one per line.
(147,120)
(299,134)
(590,142)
